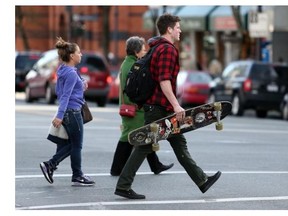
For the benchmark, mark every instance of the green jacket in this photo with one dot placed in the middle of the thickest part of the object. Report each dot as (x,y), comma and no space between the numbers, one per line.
(128,124)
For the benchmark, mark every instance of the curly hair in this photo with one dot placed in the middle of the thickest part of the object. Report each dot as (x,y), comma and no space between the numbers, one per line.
(65,49)
(134,45)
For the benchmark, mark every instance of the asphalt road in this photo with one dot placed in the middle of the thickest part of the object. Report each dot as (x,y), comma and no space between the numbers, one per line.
(250,152)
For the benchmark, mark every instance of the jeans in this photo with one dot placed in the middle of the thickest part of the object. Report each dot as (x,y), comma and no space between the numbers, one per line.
(177,142)
(73,123)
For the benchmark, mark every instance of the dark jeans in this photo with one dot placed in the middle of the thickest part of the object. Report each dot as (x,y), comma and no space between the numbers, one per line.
(177,142)
(73,124)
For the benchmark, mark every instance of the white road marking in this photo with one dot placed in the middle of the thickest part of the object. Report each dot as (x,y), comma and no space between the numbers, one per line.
(158,202)
(166,172)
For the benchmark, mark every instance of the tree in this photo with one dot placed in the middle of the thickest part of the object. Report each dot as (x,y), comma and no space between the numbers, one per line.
(20,28)
(106,29)
(245,46)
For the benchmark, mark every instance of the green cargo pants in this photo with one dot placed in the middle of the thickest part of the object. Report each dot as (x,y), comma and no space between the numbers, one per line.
(177,142)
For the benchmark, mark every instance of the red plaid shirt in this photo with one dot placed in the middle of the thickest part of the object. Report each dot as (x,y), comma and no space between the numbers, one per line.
(164,66)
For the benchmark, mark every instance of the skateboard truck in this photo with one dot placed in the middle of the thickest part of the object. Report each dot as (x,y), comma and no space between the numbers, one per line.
(154,129)
(218,108)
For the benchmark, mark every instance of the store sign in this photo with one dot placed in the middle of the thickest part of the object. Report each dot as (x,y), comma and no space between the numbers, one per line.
(258,24)
(225,23)
(191,24)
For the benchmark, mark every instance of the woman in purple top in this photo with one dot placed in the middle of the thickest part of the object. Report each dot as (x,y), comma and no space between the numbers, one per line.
(69,89)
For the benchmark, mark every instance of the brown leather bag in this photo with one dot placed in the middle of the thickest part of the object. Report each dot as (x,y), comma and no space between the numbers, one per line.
(86,114)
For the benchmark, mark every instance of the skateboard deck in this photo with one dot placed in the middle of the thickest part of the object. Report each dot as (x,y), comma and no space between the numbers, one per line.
(195,118)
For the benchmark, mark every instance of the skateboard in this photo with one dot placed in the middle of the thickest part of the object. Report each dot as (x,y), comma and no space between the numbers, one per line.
(195,118)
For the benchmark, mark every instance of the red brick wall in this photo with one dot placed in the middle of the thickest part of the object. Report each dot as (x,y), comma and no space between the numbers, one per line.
(43,24)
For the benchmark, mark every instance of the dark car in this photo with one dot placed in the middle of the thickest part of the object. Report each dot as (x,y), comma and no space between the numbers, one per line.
(24,61)
(193,87)
(41,79)
(251,85)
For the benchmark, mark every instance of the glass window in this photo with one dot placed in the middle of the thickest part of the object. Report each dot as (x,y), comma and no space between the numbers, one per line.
(263,72)
(25,61)
(199,78)
(93,63)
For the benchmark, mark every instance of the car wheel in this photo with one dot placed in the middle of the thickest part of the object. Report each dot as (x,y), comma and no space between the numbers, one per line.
(261,113)
(49,97)
(237,107)
(28,97)
(285,112)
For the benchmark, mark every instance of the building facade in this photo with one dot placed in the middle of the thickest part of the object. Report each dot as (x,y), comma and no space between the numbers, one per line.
(101,29)
(209,32)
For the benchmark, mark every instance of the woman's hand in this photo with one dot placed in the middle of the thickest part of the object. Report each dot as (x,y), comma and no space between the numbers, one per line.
(57,122)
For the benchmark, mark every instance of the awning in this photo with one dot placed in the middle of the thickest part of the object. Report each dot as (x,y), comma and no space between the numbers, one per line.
(156,11)
(194,18)
(222,19)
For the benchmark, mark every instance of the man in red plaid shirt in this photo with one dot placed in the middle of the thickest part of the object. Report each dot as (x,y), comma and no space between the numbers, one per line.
(164,68)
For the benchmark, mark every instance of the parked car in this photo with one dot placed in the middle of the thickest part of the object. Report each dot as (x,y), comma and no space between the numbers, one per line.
(193,87)
(284,107)
(24,61)
(251,85)
(41,79)
(113,95)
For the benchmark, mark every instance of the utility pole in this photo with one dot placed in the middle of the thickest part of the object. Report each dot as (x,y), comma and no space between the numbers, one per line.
(258,40)
(69,23)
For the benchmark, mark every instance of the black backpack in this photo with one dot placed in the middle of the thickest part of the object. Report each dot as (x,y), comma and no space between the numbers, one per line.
(140,85)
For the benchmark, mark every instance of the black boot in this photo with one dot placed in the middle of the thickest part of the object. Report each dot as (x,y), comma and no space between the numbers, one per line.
(121,155)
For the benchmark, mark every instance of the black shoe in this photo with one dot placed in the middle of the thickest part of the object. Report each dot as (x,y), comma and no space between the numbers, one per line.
(47,171)
(163,168)
(210,181)
(114,173)
(130,194)
(82,181)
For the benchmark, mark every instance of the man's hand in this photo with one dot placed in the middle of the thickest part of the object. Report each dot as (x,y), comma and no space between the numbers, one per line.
(180,113)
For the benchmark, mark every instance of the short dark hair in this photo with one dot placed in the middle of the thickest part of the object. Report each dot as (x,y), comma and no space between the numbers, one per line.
(134,44)
(166,20)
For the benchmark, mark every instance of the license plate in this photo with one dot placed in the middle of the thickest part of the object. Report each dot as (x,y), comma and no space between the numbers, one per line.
(272,88)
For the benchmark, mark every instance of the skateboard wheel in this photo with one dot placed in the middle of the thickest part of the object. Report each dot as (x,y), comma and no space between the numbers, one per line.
(219,126)
(148,140)
(155,147)
(154,127)
(217,106)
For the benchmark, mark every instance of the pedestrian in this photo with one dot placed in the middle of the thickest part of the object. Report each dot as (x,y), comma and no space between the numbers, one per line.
(70,89)
(164,68)
(135,49)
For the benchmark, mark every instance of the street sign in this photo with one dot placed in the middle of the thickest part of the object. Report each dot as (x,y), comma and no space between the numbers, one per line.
(258,24)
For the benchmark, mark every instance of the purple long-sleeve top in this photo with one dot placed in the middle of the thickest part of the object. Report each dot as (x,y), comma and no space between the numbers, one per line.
(69,89)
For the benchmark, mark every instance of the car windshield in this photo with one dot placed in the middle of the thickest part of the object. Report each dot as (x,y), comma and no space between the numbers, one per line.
(47,57)
(199,78)
(263,72)
(93,63)
(25,61)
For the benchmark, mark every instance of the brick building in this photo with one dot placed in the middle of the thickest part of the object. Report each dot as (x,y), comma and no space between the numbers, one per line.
(85,25)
